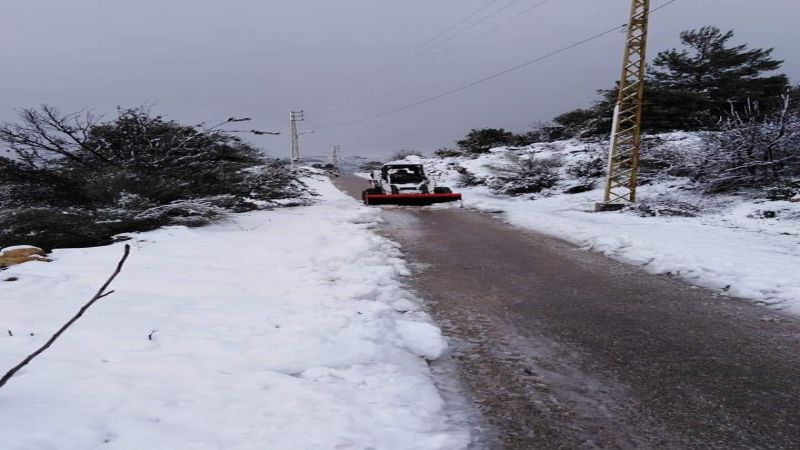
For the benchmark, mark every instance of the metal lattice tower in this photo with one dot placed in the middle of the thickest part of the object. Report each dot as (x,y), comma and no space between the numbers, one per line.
(623,160)
(294,117)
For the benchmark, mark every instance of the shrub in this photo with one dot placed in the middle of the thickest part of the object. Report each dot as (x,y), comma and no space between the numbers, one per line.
(370,166)
(468,179)
(75,180)
(665,207)
(485,139)
(525,174)
(588,168)
(445,152)
(753,151)
(403,154)
(50,227)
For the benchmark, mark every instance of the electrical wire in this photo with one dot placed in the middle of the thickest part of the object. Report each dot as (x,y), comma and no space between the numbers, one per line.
(408,60)
(495,28)
(532,8)
(456,24)
(403,61)
(477,22)
(488,78)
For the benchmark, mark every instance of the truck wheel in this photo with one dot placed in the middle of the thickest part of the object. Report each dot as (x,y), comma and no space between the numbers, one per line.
(371,191)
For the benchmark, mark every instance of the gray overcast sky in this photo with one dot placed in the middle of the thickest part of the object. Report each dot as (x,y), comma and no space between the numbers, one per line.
(203,60)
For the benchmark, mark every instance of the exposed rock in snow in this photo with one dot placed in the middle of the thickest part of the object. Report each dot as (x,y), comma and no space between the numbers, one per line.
(19,254)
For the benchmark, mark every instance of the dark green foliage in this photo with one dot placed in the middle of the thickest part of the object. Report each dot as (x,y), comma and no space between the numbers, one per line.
(673,109)
(722,75)
(482,140)
(485,139)
(50,227)
(694,88)
(76,181)
(525,174)
(445,152)
(580,122)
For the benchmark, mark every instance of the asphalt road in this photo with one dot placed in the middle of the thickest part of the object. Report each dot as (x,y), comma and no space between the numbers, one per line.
(561,348)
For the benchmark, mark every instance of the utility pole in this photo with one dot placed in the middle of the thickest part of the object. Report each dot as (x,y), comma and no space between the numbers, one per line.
(626,133)
(335,160)
(294,117)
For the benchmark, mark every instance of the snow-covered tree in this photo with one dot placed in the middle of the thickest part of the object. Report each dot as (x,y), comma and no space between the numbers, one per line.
(95,178)
(755,150)
(694,88)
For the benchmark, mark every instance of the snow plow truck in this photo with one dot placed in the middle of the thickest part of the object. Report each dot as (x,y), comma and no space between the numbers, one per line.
(405,184)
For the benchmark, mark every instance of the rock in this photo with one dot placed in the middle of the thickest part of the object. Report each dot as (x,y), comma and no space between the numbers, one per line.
(10,256)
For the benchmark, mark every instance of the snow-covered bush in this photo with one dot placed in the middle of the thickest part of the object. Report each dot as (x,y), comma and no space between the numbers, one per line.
(445,152)
(525,174)
(466,178)
(191,213)
(482,140)
(50,227)
(269,182)
(588,168)
(135,172)
(754,151)
(403,154)
(665,206)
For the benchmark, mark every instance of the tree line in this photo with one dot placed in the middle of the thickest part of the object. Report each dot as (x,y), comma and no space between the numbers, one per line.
(75,180)
(732,94)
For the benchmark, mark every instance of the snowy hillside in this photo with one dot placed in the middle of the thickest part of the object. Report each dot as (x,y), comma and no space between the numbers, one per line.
(740,246)
(286,329)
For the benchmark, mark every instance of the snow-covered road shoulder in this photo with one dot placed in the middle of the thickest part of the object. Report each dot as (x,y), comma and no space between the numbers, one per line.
(740,247)
(286,329)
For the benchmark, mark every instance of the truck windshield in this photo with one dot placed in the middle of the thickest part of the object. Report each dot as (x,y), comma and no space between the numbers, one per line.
(407,175)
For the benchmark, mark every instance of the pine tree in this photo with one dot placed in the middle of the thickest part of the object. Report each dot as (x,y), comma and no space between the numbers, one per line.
(719,76)
(484,139)
(695,88)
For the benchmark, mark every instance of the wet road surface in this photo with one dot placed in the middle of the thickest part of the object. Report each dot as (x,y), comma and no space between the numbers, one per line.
(561,348)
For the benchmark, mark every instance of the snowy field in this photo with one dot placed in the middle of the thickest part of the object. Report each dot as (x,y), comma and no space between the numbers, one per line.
(730,247)
(279,330)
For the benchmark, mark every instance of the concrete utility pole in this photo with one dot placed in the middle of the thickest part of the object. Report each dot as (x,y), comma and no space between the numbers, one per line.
(335,160)
(626,133)
(294,117)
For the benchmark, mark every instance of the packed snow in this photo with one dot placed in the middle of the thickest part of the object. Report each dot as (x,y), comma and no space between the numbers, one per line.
(286,329)
(747,248)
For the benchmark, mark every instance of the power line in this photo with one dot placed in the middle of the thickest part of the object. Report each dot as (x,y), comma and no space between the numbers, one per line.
(456,24)
(421,49)
(496,27)
(386,75)
(478,22)
(414,53)
(487,78)
(536,6)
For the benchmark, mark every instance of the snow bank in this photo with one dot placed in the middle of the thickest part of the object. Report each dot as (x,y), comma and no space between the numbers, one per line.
(731,246)
(279,330)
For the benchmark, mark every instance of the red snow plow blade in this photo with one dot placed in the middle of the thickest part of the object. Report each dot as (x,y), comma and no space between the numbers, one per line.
(410,199)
